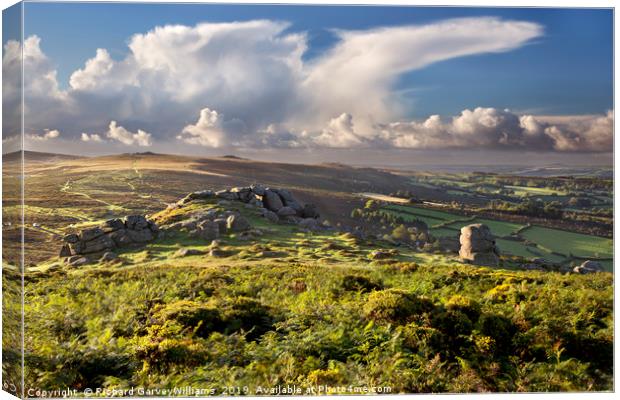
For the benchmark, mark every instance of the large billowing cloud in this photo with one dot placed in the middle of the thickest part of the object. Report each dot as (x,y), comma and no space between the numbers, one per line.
(246,84)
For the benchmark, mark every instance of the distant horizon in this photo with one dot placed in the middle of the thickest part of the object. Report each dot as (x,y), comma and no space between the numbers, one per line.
(404,166)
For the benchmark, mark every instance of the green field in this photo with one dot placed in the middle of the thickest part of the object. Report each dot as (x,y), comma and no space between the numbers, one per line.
(568,242)
(533,191)
(548,240)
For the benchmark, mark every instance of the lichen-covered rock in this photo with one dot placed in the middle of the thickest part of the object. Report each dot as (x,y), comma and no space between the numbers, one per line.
(111,234)
(227,195)
(237,223)
(478,245)
(136,222)
(98,244)
(140,236)
(271,216)
(286,211)
(112,225)
(65,251)
(71,238)
(209,230)
(91,233)
(309,211)
(108,256)
(589,267)
(272,200)
(184,252)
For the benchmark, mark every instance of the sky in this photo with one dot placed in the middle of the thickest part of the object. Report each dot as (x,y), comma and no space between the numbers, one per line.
(317,83)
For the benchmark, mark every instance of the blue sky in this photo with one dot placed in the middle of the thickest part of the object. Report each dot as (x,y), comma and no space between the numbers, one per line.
(567,71)
(315,82)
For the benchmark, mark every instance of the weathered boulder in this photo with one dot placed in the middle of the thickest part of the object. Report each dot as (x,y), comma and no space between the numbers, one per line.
(140,236)
(112,225)
(121,238)
(184,252)
(270,216)
(478,245)
(91,233)
(136,222)
(98,244)
(243,193)
(108,256)
(109,235)
(227,195)
(71,238)
(272,200)
(77,260)
(286,211)
(589,267)
(222,224)
(258,189)
(309,211)
(288,200)
(65,251)
(209,230)
(237,223)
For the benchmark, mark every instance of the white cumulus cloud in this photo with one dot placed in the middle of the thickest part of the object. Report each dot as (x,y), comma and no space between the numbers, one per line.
(92,137)
(118,133)
(250,86)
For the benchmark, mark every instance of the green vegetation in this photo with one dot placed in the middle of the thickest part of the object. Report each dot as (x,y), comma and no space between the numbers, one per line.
(570,243)
(320,313)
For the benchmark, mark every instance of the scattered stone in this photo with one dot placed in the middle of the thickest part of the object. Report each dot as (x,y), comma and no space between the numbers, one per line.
(217,252)
(272,200)
(141,236)
(269,215)
(589,267)
(98,244)
(136,222)
(121,238)
(184,252)
(478,245)
(108,256)
(77,261)
(71,238)
(309,211)
(293,219)
(258,189)
(286,211)
(112,225)
(209,230)
(383,254)
(227,195)
(65,251)
(237,223)
(91,233)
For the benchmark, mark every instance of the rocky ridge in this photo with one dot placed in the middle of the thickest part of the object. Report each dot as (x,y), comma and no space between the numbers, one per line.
(79,248)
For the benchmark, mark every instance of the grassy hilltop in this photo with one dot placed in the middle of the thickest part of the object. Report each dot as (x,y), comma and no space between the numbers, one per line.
(287,306)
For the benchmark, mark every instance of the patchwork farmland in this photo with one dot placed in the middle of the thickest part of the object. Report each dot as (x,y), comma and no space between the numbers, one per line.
(521,240)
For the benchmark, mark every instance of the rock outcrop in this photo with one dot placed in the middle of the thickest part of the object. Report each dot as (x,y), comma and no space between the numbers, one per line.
(589,267)
(274,204)
(113,233)
(478,245)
